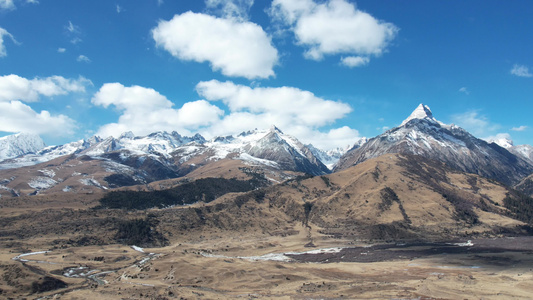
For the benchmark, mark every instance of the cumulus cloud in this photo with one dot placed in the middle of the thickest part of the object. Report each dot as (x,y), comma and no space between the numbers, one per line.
(355,61)
(144,110)
(521,71)
(16,116)
(14,87)
(296,112)
(233,47)
(333,27)
(228,108)
(519,128)
(4,33)
(61,50)
(230,9)
(83,58)
(298,106)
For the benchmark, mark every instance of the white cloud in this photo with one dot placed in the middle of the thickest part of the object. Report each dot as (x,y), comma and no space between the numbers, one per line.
(4,33)
(297,106)
(83,58)
(14,87)
(230,9)
(521,71)
(61,50)
(119,9)
(10,4)
(464,90)
(519,128)
(333,27)
(478,125)
(16,116)
(7,4)
(144,110)
(296,112)
(299,113)
(355,61)
(232,47)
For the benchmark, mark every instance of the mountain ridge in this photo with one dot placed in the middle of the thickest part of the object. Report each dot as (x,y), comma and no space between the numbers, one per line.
(421,134)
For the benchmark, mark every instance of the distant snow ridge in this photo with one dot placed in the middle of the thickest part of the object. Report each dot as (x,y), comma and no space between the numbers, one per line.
(48,153)
(524,151)
(331,157)
(19,144)
(159,150)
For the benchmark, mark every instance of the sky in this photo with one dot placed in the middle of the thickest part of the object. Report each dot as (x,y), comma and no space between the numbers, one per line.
(325,71)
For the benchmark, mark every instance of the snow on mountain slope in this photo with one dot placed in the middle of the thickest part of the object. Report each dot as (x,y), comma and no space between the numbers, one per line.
(48,153)
(331,157)
(422,112)
(131,160)
(19,144)
(422,134)
(524,151)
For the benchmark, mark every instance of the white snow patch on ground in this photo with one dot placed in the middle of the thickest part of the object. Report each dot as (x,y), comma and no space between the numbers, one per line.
(467,244)
(282,257)
(18,257)
(48,173)
(254,160)
(42,183)
(137,248)
(92,182)
(318,251)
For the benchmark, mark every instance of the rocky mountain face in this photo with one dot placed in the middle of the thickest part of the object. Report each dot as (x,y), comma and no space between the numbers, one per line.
(19,144)
(421,134)
(99,164)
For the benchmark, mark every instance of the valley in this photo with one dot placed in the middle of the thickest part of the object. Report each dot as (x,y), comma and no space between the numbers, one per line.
(258,215)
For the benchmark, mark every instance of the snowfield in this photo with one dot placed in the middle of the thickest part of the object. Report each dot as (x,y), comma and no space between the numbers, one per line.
(42,183)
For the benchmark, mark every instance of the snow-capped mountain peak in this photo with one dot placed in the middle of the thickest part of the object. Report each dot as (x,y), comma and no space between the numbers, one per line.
(421,134)
(421,112)
(20,144)
(502,142)
(273,128)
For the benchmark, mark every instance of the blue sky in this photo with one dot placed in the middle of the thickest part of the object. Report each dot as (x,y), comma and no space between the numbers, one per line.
(325,71)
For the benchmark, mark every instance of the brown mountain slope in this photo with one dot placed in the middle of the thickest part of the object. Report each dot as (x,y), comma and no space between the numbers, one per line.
(393,197)
(402,197)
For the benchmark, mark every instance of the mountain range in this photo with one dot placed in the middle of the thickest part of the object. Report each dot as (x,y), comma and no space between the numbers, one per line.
(27,166)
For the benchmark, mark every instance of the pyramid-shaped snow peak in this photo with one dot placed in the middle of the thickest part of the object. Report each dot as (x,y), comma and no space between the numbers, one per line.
(421,112)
